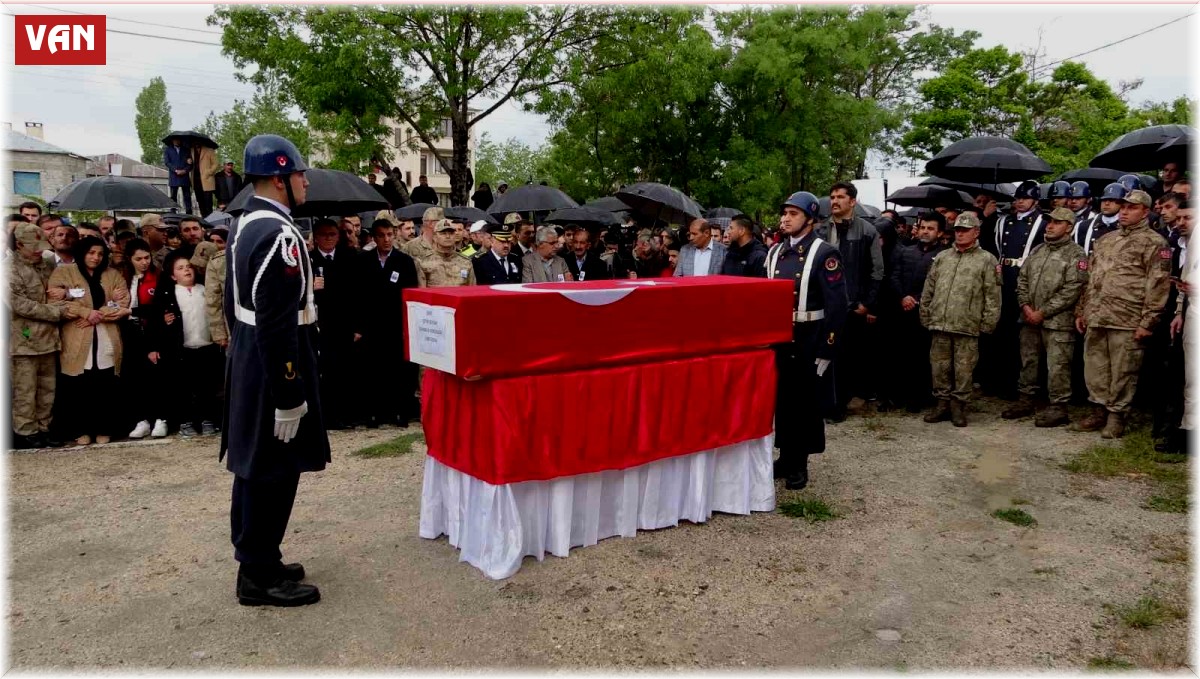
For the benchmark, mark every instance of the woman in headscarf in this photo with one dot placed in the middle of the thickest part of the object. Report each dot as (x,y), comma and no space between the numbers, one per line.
(482,198)
(91,344)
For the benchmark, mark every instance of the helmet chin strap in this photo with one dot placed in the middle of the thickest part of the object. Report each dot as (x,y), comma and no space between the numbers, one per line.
(287,182)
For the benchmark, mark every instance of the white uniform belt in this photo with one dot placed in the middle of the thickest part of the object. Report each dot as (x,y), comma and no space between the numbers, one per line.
(807,316)
(307,316)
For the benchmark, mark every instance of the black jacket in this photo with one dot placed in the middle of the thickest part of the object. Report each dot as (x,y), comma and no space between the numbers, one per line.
(862,258)
(594,268)
(380,295)
(228,186)
(335,303)
(910,266)
(423,194)
(489,271)
(482,199)
(749,260)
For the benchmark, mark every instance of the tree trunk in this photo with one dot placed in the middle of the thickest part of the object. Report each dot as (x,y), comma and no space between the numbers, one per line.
(460,164)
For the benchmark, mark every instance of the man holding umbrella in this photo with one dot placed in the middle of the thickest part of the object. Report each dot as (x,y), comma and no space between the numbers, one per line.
(178,160)
(273,430)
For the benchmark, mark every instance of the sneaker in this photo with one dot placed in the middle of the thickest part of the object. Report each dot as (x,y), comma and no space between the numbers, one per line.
(207,428)
(187,430)
(141,431)
(160,429)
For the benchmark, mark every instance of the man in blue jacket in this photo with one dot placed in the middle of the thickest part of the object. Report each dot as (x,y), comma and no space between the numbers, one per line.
(178,159)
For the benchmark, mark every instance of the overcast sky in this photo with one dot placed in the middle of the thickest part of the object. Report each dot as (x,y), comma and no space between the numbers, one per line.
(90,110)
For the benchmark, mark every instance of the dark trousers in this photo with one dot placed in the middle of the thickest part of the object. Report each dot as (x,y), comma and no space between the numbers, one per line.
(204,199)
(386,392)
(258,515)
(799,424)
(89,403)
(852,373)
(202,370)
(187,197)
(338,386)
(912,369)
(141,380)
(1167,398)
(1000,353)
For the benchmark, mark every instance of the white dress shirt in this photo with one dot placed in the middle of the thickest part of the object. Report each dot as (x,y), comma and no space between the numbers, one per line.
(702,260)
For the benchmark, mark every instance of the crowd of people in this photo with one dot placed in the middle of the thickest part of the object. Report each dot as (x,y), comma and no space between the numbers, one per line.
(118,329)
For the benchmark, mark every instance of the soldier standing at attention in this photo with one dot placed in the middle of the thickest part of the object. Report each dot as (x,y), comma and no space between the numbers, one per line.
(446,266)
(1048,290)
(960,301)
(1122,304)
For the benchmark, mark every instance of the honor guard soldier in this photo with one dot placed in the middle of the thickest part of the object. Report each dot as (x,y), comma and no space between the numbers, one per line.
(1060,194)
(1103,222)
(821,305)
(1016,236)
(273,429)
(1081,202)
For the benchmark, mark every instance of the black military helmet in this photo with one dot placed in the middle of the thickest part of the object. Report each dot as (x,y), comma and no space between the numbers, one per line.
(1131,182)
(1114,191)
(1028,189)
(1061,189)
(269,155)
(805,202)
(1081,189)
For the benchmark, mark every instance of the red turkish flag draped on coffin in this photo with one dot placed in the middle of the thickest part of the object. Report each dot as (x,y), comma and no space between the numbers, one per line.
(537,383)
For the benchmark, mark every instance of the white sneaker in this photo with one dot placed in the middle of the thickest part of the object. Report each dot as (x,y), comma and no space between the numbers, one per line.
(160,429)
(141,430)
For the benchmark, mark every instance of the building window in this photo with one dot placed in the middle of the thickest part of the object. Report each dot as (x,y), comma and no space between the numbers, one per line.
(399,140)
(447,128)
(27,183)
(430,165)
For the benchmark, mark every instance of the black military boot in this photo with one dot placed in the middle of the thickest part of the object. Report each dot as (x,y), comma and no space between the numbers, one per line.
(958,413)
(940,412)
(292,571)
(271,588)
(797,478)
(1022,408)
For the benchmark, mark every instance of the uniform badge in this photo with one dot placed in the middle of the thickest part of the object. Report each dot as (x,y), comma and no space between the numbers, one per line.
(830,340)
(1165,253)
(831,264)
(290,374)
(282,160)
(1082,265)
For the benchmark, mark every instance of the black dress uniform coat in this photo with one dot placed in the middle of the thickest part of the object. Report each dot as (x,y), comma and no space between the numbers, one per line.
(273,363)
(335,314)
(1000,353)
(594,268)
(387,391)
(799,424)
(489,270)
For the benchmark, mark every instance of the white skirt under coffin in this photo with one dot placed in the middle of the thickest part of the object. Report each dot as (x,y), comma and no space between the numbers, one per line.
(495,527)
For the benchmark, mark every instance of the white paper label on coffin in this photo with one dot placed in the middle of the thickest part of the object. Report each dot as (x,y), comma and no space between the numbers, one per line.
(431,336)
(587,297)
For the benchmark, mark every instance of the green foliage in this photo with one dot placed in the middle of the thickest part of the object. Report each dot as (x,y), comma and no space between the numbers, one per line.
(812,510)
(233,128)
(512,161)
(1147,612)
(152,120)
(1018,517)
(401,445)
(1109,662)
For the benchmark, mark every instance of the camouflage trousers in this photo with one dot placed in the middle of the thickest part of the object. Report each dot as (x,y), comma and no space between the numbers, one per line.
(1058,346)
(953,358)
(33,381)
(1111,361)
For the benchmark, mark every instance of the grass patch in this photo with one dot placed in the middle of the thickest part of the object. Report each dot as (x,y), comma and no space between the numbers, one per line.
(401,445)
(1015,516)
(1109,663)
(1050,570)
(1020,501)
(1172,501)
(1146,613)
(1135,457)
(813,510)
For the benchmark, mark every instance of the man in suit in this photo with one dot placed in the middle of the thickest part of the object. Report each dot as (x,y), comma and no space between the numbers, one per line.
(383,275)
(333,284)
(525,233)
(541,265)
(498,264)
(703,255)
(178,159)
(583,262)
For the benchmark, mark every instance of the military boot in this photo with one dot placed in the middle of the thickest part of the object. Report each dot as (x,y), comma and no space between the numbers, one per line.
(958,413)
(1022,408)
(1114,428)
(940,412)
(1093,422)
(1054,416)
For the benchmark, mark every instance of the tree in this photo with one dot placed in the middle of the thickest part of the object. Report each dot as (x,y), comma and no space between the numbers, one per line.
(512,161)
(233,128)
(355,70)
(152,120)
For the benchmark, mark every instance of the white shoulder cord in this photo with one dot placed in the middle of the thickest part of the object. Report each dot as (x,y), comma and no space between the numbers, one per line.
(288,238)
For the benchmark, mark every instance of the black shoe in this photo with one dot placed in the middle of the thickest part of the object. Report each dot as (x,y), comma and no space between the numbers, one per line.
(778,469)
(275,591)
(292,571)
(54,440)
(797,480)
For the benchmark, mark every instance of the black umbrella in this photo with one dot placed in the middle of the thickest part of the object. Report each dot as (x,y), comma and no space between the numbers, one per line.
(111,193)
(1138,150)
(931,196)
(984,143)
(469,214)
(191,138)
(607,204)
(722,213)
(660,202)
(583,216)
(1177,151)
(860,209)
(330,192)
(995,165)
(531,198)
(1002,191)
(416,211)
(1100,177)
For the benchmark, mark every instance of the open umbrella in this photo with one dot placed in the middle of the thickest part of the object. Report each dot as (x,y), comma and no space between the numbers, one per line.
(931,196)
(191,138)
(416,211)
(982,143)
(994,165)
(607,204)
(111,193)
(863,210)
(660,202)
(218,218)
(722,212)
(1178,151)
(583,216)
(1002,191)
(1138,150)
(531,198)
(330,192)
(469,214)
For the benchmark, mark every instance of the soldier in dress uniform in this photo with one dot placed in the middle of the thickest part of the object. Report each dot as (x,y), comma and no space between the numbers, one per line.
(498,264)
(446,266)
(272,425)
(1060,194)
(1016,236)
(817,318)
(1081,202)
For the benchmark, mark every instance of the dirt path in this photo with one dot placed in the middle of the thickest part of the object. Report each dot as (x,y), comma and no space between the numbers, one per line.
(120,557)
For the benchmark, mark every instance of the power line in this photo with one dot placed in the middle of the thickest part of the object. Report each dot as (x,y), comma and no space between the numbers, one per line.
(150,35)
(1115,42)
(129,21)
(188,88)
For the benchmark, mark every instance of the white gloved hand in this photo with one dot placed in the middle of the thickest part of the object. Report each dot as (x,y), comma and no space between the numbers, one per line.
(822,366)
(287,422)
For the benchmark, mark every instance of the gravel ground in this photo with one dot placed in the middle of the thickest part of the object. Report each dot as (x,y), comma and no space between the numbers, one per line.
(120,558)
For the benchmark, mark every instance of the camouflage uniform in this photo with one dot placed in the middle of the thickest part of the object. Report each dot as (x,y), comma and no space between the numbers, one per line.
(439,270)
(33,340)
(1130,281)
(214,298)
(418,248)
(961,299)
(1051,282)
